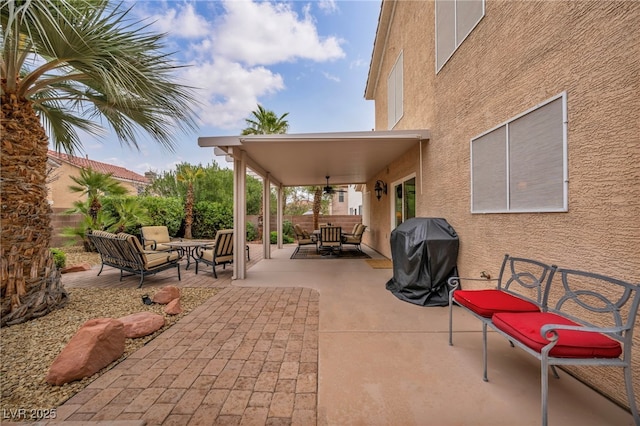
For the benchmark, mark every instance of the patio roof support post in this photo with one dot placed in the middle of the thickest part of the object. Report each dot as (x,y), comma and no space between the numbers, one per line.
(239,215)
(266,216)
(279,214)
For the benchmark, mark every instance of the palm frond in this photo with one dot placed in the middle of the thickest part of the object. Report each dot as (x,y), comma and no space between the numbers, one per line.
(99,64)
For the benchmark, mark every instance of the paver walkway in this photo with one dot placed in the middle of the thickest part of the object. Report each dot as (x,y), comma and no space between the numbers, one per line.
(246,356)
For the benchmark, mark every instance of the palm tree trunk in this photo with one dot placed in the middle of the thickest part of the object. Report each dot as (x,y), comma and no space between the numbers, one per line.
(188,210)
(30,284)
(317,205)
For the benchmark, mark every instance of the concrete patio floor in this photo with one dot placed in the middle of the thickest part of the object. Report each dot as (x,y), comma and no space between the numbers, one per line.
(380,361)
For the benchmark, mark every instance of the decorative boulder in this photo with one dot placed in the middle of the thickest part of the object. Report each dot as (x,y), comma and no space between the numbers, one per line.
(76,268)
(173,308)
(95,345)
(166,294)
(141,324)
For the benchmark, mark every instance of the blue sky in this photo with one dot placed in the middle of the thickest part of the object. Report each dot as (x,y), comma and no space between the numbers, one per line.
(307,58)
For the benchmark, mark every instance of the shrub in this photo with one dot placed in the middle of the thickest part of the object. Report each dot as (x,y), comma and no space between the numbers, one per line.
(273,238)
(164,211)
(287,229)
(209,217)
(252,232)
(59,257)
(128,214)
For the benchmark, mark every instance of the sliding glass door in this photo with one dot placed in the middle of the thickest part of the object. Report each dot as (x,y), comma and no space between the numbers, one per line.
(404,200)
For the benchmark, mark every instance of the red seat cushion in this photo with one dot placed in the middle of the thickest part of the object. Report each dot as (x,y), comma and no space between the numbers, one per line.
(487,302)
(525,327)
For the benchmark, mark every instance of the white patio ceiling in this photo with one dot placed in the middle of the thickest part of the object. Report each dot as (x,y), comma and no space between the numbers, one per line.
(304,159)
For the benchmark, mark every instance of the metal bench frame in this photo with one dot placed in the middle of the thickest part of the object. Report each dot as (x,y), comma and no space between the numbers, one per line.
(620,305)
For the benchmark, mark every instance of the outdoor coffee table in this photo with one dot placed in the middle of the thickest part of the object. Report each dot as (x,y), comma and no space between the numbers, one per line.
(189,247)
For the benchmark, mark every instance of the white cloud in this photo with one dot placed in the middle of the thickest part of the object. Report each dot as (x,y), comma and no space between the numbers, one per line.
(328,6)
(265,33)
(331,77)
(231,45)
(181,22)
(228,91)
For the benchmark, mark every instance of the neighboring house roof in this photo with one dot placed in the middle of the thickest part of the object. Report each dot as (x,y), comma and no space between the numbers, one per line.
(117,172)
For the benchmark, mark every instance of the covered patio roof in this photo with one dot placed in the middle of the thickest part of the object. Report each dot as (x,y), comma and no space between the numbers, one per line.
(304,159)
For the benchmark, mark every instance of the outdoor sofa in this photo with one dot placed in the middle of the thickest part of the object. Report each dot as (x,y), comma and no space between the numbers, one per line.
(124,251)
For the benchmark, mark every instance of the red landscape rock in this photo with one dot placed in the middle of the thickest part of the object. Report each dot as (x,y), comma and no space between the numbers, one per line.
(173,308)
(95,345)
(141,324)
(76,268)
(166,294)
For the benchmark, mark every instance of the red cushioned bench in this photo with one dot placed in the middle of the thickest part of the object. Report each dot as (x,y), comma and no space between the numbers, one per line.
(560,316)
(520,287)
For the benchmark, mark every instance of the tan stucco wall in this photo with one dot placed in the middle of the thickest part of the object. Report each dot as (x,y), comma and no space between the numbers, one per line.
(59,181)
(519,55)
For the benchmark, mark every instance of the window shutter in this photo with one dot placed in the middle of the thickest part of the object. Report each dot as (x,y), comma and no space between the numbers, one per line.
(489,172)
(535,156)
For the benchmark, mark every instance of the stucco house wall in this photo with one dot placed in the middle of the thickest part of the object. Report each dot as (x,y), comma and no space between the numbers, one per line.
(519,55)
(62,167)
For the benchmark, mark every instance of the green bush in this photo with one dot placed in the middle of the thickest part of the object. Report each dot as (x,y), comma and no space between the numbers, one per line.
(164,211)
(273,238)
(287,229)
(59,257)
(128,214)
(209,217)
(252,232)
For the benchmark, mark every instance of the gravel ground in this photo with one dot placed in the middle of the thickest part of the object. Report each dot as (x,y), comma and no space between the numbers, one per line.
(76,255)
(29,349)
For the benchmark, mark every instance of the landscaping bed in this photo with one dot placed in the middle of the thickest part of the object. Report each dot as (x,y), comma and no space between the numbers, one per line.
(28,349)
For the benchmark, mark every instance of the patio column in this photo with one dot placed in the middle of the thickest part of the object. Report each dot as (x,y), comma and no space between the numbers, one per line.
(239,216)
(266,216)
(280,210)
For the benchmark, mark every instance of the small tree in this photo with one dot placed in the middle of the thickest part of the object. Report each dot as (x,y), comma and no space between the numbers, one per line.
(129,214)
(96,185)
(189,174)
(265,122)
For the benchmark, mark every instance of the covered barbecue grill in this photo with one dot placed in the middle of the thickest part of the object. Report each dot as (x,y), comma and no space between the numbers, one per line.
(425,252)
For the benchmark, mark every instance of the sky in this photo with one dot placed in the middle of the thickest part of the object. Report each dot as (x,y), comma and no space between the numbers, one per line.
(306,58)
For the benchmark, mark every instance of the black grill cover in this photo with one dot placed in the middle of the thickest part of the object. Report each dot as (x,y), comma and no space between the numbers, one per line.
(425,252)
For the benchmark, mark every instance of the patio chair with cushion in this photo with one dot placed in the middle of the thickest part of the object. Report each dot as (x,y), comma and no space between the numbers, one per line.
(220,254)
(330,240)
(304,238)
(356,237)
(154,237)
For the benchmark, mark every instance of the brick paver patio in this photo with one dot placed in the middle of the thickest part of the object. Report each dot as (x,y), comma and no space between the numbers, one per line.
(246,356)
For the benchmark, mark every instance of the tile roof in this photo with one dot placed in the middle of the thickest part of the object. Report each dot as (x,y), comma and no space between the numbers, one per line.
(116,171)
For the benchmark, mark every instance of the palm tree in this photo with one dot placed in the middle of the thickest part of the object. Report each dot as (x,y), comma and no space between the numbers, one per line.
(317,205)
(265,122)
(130,213)
(67,65)
(188,174)
(95,185)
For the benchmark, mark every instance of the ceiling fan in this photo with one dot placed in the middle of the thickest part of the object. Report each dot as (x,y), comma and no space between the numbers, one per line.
(329,189)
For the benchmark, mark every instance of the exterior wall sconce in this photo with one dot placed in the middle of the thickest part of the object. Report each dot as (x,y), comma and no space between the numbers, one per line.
(380,188)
